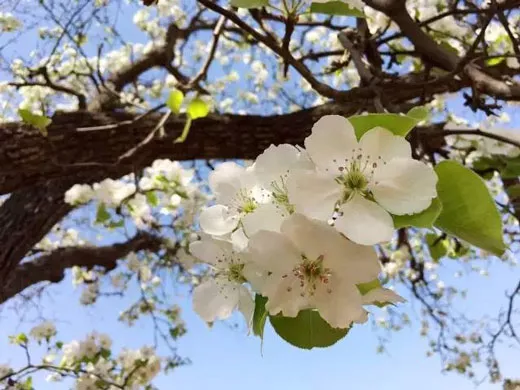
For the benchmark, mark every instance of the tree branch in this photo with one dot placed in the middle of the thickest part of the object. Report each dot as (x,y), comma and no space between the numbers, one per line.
(51,267)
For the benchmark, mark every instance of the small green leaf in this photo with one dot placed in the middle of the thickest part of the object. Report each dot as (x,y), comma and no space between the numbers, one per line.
(437,246)
(469,211)
(175,100)
(495,61)
(152,199)
(19,339)
(27,385)
(365,288)
(513,191)
(39,121)
(397,124)
(336,8)
(249,3)
(259,316)
(307,330)
(197,109)
(425,219)
(420,113)
(102,215)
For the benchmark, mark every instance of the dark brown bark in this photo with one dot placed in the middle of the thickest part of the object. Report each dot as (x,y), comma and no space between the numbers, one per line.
(52,267)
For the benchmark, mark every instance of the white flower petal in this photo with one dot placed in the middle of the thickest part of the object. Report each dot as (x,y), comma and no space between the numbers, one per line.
(228,179)
(239,239)
(313,194)
(215,299)
(211,251)
(380,142)
(246,304)
(350,261)
(332,140)
(404,186)
(285,297)
(364,222)
(218,220)
(382,295)
(265,217)
(273,252)
(277,161)
(340,304)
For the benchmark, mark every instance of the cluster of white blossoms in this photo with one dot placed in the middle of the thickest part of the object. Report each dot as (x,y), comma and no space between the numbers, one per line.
(298,224)
(91,361)
(43,331)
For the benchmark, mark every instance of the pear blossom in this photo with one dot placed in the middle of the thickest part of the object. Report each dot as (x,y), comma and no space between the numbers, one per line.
(310,266)
(113,192)
(237,194)
(79,194)
(43,331)
(360,183)
(217,297)
(272,169)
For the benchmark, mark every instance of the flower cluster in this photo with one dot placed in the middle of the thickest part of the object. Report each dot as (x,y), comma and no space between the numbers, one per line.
(298,224)
(43,331)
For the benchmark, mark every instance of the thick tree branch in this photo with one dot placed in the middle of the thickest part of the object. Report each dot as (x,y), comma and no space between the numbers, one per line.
(51,267)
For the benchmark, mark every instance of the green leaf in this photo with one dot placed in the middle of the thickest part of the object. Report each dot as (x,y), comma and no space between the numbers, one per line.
(336,8)
(27,385)
(307,330)
(259,316)
(513,191)
(39,121)
(424,219)
(512,168)
(151,197)
(495,61)
(102,215)
(19,339)
(197,109)
(437,245)
(469,211)
(420,113)
(174,101)
(397,124)
(249,3)
(365,288)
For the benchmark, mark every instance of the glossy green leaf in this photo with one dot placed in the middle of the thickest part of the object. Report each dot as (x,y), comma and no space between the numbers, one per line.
(259,316)
(469,211)
(437,246)
(336,8)
(197,108)
(365,288)
(307,330)
(495,61)
(397,124)
(102,215)
(249,3)
(174,101)
(39,121)
(420,113)
(425,219)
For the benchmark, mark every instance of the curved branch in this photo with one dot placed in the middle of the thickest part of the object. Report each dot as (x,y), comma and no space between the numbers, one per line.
(51,267)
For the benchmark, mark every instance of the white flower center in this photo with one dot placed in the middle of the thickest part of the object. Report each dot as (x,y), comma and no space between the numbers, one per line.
(356,173)
(311,274)
(280,193)
(233,272)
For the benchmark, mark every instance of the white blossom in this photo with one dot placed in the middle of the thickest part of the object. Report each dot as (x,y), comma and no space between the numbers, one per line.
(362,181)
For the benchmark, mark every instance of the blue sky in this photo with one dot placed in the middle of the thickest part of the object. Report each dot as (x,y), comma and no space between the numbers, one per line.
(225,357)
